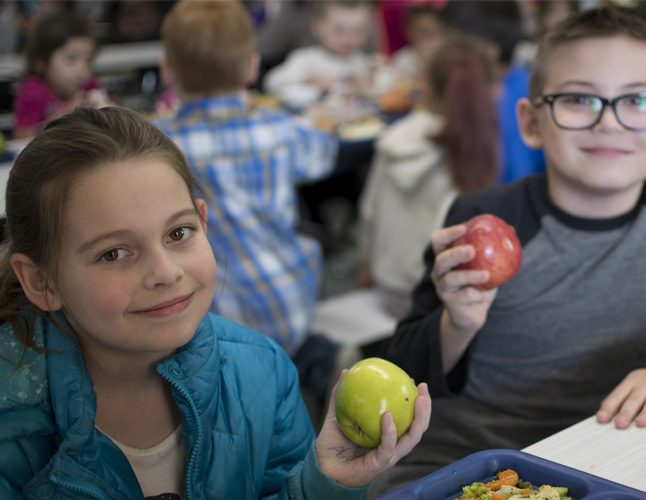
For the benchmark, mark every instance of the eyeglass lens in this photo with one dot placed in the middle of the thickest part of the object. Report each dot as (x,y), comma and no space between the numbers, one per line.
(576,111)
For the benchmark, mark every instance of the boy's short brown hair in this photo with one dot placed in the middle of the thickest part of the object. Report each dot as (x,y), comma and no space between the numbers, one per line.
(209,45)
(592,23)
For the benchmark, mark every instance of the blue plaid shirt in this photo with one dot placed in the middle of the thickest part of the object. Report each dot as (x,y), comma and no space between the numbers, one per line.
(249,162)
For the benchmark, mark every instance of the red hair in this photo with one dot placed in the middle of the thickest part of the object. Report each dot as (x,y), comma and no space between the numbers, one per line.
(461,78)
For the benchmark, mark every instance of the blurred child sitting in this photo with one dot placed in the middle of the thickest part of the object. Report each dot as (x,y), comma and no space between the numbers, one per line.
(59,54)
(424,31)
(341,27)
(422,162)
(497,24)
(249,162)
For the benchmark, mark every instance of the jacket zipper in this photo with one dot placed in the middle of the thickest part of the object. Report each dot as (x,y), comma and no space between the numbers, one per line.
(72,484)
(198,432)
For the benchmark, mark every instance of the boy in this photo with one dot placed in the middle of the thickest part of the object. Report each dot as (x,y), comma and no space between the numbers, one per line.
(341,27)
(248,162)
(543,351)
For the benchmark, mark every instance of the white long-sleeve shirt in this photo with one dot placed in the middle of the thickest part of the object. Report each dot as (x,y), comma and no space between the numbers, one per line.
(307,61)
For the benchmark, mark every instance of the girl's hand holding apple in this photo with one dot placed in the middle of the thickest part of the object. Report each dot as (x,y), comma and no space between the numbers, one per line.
(354,466)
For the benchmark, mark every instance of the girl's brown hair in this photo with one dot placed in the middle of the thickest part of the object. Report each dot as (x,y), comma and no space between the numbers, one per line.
(461,77)
(40,182)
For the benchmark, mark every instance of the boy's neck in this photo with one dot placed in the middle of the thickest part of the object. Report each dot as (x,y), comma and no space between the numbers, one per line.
(590,204)
(337,55)
(186,96)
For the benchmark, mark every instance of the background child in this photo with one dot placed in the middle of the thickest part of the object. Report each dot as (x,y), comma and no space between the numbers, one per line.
(341,27)
(497,23)
(565,335)
(422,162)
(59,55)
(249,161)
(115,382)
(425,32)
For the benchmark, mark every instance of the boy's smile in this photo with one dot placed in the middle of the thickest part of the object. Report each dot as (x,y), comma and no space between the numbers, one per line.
(597,172)
(137,273)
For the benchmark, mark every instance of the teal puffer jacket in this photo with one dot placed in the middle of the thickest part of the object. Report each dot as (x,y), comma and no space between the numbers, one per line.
(246,430)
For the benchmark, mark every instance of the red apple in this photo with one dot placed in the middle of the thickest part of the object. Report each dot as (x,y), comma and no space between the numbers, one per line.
(497,249)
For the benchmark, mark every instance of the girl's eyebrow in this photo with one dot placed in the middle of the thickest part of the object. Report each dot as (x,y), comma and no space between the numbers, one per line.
(120,233)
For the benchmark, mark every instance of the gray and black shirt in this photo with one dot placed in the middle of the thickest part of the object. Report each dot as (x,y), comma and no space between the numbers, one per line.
(558,337)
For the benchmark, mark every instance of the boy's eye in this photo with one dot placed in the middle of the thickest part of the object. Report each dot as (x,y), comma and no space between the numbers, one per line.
(113,254)
(636,101)
(579,99)
(181,233)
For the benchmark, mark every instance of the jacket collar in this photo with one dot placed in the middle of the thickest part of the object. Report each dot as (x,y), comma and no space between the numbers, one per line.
(86,459)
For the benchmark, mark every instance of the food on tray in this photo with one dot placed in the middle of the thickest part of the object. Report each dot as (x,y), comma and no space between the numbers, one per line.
(395,100)
(508,486)
(361,129)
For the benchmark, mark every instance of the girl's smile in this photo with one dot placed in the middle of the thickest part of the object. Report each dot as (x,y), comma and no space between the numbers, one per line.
(167,309)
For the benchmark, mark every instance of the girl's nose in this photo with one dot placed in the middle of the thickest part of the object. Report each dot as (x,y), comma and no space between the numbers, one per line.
(162,269)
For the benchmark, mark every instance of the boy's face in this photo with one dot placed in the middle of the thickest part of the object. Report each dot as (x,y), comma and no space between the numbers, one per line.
(608,160)
(342,30)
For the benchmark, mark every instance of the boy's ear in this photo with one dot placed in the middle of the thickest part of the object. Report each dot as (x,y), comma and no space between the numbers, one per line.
(165,73)
(252,70)
(527,116)
(34,284)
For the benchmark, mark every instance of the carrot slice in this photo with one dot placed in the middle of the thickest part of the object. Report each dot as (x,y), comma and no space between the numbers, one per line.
(507,477)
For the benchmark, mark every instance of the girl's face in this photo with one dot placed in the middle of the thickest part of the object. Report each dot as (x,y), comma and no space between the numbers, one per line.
(136,272)
(70,66)
(425,34)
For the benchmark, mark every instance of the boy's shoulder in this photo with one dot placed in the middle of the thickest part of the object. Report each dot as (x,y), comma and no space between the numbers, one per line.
(501,200)
(223,112)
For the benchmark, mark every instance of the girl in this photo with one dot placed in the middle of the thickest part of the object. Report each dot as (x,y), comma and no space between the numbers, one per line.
(59,54)
(115,382)
(422,162)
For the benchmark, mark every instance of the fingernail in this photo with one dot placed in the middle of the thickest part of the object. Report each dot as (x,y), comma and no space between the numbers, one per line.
(621,421)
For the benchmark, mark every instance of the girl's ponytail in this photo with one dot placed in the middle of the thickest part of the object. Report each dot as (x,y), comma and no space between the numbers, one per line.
(461,78)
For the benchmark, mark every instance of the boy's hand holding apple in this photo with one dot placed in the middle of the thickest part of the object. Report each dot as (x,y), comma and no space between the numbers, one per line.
(467,282)
(354,466)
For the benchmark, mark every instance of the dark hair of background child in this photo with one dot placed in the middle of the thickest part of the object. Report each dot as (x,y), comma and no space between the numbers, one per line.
(49,35)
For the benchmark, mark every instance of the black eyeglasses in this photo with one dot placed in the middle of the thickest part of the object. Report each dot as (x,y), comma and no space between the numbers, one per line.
(584,111)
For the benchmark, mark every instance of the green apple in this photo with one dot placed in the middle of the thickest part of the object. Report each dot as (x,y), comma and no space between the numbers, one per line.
(372,387)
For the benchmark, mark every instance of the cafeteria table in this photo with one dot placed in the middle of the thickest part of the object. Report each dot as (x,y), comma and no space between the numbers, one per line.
(599,449)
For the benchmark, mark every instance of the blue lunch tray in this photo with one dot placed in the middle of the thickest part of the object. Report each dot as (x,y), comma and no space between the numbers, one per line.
(447,483)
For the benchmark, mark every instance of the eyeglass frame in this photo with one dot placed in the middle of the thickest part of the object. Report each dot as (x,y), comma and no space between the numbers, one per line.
(612,102)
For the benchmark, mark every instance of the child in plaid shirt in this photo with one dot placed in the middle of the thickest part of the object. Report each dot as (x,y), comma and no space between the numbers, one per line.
(249,161)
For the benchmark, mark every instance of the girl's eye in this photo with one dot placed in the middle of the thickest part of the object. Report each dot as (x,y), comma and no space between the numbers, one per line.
(113,255)
(181,233)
